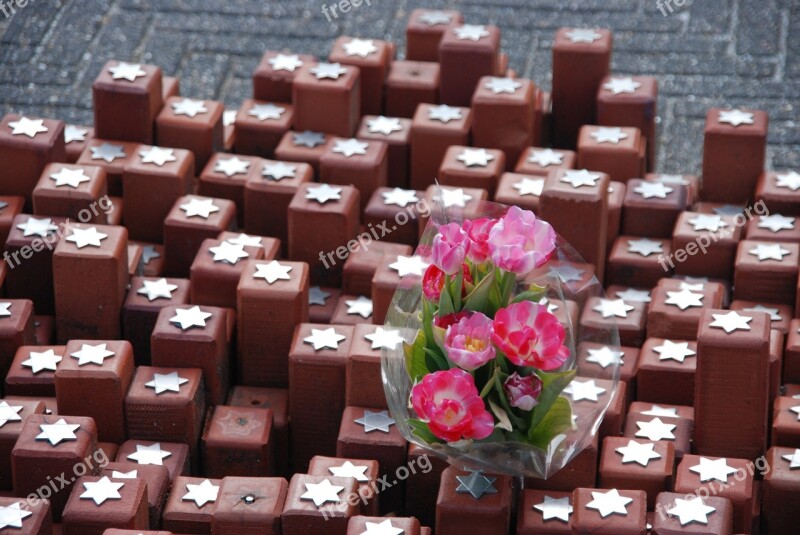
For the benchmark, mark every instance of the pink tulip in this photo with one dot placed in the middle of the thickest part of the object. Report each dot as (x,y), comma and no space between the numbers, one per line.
(478,232)
(433,282)
(449,402)
(523,392)
(530,335)
(450,248)
(520,242)
(468,343)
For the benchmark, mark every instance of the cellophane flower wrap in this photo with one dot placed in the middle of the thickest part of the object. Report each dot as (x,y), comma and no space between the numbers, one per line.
(491,341)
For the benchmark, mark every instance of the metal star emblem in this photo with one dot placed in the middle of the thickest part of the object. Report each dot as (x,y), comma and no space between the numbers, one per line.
(324,193)
(546,157)
(711,223)
(684,299)
(360,47)
(655,430)
(621,85)
(5,310)
(362,306)
(793,459)
(350,147)
(166,382)
(692,287)
(317,296)
(157,289)
(27,127)
(580,178)
(583,35)
(735,117)
(444,113)
(322,492)
(673,179)
(567,273)
(107,152)
(551,307)
(272,271)
(58,432)
(186,318)
(790,180)
(453,197)
(83,237)
(231,166)
(69,177)
(229,253)
(689,511)
(796,410)
(37,227)
(772,251)
(709,470)
(245,240)
(471,32)
(375,421)
(90,354)
(10,413)
(205,492)
(636,452)
(133,474)
(731,321)
(529,186)
(555,508)
(476,484)
(634,295)
(583,390)
(613,308)
(434,18)
(126,71)
(41,361)
(384,528)
(608,135)
(157,155)
(776,222)
(102,490)
(677,351)
(399,197)
(475,157)
(658,410)
(385,339)
(645,247)
(384,125)
(308,139)
(262,112)
(728,209)
(605,356)
(152,454)
(324,339)
(650,190)
(348,469)
(502,85)
(74,133)
(190,108)
(609,503)
(328,70)
(409,265)
(11,516)
(285,62)
(229,117)
(278,171)
(774,313)
(197,207)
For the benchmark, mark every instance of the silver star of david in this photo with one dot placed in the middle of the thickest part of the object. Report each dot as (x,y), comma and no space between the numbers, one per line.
(476,484)
(728,209)
(634,295)
(229,117)
(693,287)
(187,318)
(308,139)
(197,207)
(409,265)
(157,289)
(475,157)
(157,155)
(655,430)
(322,492)
(735,117)
(658,410)
(650,190)
(529,186)
(713,470)
(790,180)
(69,177)
(360,47)
(232,166)
(5,310)
(551,307)
(731,321)
(567,273)
(262,112)
(444,113)
(152,454)
(205,492)
(796,410)
(324,193)
(452,197)
(74,133)
(776,222)
(555,508)
(362,306)
(584,390)
(609,503)
(691,510)
(793,459)
(126,71)
(471,32)
(771,251)
(545,157)
(57,432)
(621,85)
(385,339)
(229,253)
(245,240)
(166,382)
(285,62)
(107,152)
(277,171)
(684,299)
(605,356)
(677,351)
(10,413)
(328,70)
(502,85)
(673,179)
(645,246)
(711,223)
(384,528)
(272,271)
(434,18)
(189,107)
(101,490)
(92,354)
(133,474)
(580,178)
(350,147)
(317,296)
(348,469)
(41,361)
(774,313)
(399,197)
(37,227)
(384,125)
(612,308)
(637,452)
(84,237)
(324,339)
(11,516)
(27,127)
(583,35)
(608,135)
(375,421)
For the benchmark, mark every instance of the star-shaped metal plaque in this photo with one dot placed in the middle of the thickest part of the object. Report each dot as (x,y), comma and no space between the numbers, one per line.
(471,32)
(205,492)
(166,382)
(92,354)
(277,171)
(102,490)
(713,470)
(229,117)
(634,296)
(605,356)
(187,318)
(5,309)
(324,193)
(584,390)
(330,71)
(434,18)
(728,209)
(272,271)
(790,180)
(529,186)
(735,117)
(83,237)
(385,527)
(711,223)
(197,207)
(399,197)
(769,251)
(658,410)
(263,112)
(621,85)
(152,454)
(476,484)
(348,469)
(502,85)
(74,133)
(27,127)
(350,147)
(246,240)
(655,430)
(611,135)
(157,155)
(793,459)
(308,139)
(375,421)
(11,516)
(126,71)
(228,253)
(555,508)
(107,152)
(58,432)
(157,289)
(731,321)
(324,339)
(452,197)
(69,177)
(616,308)
(650,190)
(692,286)
(322,492)
(385,339)
(475,157)
(384,125)
(774,313)
(42,361)
(579,178)
(133,474)
(567,273)
(37,227)
(545,157)
(360,47)
(444,113)
(776,222)
(317,296)
(409,265)
(677,351)
(285,62)
(361,306)
(189,107)
(609,503)
(583,35)
(10,413)
(690,511)
(684,299)
(796,410)
(637,452)
(645,246)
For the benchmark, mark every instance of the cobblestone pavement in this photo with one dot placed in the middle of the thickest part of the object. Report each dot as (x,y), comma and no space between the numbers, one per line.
(705,53)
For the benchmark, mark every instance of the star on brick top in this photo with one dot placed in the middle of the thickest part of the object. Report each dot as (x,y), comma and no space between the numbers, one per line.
(58,432)
(793,459)
(74,133)
(324,339)
(205,492)
(317,296)
(27,127)
(684,299)
(771,251)
(655,430)
(324,193)
(796,410)
(658,410)
(42,361)
(157,289)
(776,222)
(605,356)
(608,135)
(285,62)
(385,338)
(197,207)
(444,113)
(126,71)
(189,107)
(609,503)
(92,354)
(471,32)
(245,240)
(636,452)
(584,390)
(409,265)
(107,152)
(361,306)
(133,474)
(229,117)
(735,117)
(152,454)
(711,223)
(350,147)
(583,35)
(187,318)
(322,492)
(580,178)
(5,311)
(11,516)
(693,284)
(612,308)
(375,421)
(621,85)
(790,180)
(731,321)
(360,47)
(157,155)
(713,470)
(384,125)
(9,413)
(231,166)
(634,295)
(83,237)
(166,382)
(502,85)
(385,527)
(555,508)
(650,190)
(774,313)
(348,469)
(529,186)
(331,71)
(645,246)
(545,157)
(452,197)
(228,253)
(567,273)
(691,510)
(434,18)
(677,351)
(476,484)
(262,112)
(102,490)
(728,209)
(399,197)
(277,171)
(272,271)
(69,177)
(308,139)
(475,157)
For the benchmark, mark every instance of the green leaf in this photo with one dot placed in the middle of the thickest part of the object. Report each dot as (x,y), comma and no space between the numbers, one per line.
(445,302)
(534,294)
(478,298)
(436,361)
(422,431)
(415,358)
(552,385)
(557,419)
(457,289)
